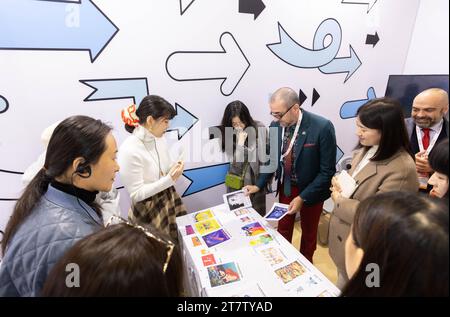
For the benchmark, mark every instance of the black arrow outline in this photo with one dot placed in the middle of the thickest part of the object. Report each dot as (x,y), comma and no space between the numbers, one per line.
(211,52)
(70,49)
(181,7)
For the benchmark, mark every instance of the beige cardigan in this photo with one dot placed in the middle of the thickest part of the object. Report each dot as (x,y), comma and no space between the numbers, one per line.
(395,173)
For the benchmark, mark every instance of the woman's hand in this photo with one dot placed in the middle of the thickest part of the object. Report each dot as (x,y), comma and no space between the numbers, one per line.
(335,189)
(242,136)
(177,170)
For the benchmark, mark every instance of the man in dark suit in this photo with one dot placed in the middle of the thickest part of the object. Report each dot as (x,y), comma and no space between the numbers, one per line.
(427,127)
(306,162)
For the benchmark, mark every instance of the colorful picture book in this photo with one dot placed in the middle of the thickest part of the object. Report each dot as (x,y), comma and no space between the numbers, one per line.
(223,274)
(261,240)
(290,272)
(215,238)
(203,215)
(241,212)
(237,200)
(253,229)
(277,212)
(206,226)
(208,260)
(272,255)
(189,230)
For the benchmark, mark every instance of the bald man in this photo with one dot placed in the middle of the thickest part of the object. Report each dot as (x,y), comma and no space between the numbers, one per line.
(306,162)
(427,127)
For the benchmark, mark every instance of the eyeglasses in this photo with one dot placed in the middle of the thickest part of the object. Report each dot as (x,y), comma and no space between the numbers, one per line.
(278,115)
(169,244)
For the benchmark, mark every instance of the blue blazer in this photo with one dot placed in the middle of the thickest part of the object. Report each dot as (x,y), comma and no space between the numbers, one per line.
(315,154)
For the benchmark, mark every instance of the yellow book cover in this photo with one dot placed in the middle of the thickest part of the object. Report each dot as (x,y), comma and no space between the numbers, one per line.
(204,215)
(207,226)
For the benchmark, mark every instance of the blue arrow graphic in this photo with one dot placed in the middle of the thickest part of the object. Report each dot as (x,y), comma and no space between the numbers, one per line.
(41,25)
(182,122)
(203,178)
(297,55)
(347,65)
(321,56)
(4,105)
(339,154)
(349,108)
(118,88)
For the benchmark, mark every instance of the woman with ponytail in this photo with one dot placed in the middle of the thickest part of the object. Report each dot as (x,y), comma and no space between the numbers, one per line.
(57,207)
(147,171)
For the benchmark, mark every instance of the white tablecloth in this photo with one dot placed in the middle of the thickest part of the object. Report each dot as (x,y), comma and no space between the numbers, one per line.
(256,268)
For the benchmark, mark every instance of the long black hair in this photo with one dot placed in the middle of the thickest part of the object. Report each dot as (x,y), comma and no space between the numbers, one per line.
(236,109)
(406,235)
(154,106)
(385,115)
(76,136)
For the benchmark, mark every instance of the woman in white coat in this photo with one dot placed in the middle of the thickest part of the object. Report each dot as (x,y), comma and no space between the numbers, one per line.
(147,172)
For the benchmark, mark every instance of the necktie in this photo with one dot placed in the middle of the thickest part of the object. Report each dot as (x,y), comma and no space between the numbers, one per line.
(426,138)
(287,162)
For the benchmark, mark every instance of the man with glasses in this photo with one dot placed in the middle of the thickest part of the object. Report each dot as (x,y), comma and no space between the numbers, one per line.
(307,155)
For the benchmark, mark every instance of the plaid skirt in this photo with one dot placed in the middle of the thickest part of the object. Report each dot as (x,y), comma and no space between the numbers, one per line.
(160,210)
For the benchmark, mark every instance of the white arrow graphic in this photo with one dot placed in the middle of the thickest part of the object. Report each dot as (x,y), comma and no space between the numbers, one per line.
(229,65)
(369,3)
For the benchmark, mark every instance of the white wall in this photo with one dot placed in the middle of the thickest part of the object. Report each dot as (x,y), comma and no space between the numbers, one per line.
(43,86)
(429,49)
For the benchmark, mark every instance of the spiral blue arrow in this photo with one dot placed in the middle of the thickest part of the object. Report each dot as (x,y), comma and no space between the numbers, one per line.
(117,88)
(203,178)
(297,55)
(182,122)
(41,25)
(349,108)
(321,56)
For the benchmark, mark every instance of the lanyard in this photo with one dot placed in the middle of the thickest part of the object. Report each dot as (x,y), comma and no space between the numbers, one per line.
(294,136)
(432,142)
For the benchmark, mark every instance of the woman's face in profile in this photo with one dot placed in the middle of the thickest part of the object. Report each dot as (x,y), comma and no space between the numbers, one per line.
(439,182)
(104,171)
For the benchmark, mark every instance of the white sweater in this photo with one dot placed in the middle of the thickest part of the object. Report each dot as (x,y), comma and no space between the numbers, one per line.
(139,169)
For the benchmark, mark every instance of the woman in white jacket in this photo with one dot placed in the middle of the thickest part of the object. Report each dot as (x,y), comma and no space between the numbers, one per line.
(147,171)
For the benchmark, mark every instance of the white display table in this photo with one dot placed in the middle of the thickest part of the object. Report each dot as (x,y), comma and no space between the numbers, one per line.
(249,263)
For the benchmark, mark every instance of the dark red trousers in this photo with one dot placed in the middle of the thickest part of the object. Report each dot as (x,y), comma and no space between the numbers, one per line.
(309,222)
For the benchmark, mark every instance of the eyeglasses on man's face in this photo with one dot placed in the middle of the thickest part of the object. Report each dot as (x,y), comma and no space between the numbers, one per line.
(280,115)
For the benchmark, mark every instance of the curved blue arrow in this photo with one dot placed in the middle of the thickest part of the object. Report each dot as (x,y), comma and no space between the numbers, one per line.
(349,108)
(347,65)
(297,55)
(41,25)
(117,88)
(4,104)
(182,122)
(203,178)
